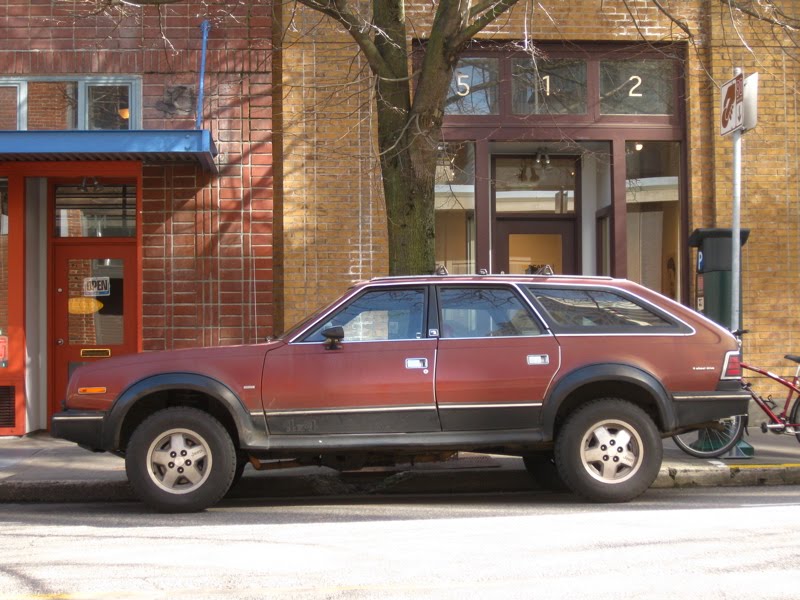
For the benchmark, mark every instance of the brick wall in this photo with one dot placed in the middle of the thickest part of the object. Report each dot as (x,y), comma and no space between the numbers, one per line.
(332,183)
(208,240)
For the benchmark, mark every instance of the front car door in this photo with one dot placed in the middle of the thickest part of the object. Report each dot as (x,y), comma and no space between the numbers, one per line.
(495,359)
(379,379)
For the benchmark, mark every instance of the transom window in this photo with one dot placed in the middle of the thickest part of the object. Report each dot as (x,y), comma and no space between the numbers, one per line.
(63,103)
(558,82)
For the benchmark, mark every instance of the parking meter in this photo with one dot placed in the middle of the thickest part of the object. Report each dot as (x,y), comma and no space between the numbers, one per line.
(713,272)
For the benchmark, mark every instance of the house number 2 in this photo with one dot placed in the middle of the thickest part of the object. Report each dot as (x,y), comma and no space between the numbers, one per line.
(637,82)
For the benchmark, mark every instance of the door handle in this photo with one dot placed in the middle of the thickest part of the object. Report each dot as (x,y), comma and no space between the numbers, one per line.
(416,363)
(538,359)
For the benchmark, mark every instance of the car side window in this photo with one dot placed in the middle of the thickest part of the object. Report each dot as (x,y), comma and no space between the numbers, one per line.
(378,315)
(472,312)
(596,310)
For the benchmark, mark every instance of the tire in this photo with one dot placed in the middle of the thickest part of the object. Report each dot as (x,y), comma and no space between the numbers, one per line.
(594,437)
(795,415)
(542,469)
(241,463)
(710,442)
(192,436)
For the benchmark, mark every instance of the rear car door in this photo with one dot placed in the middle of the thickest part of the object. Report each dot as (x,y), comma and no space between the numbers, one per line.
(378,380)
(495,359)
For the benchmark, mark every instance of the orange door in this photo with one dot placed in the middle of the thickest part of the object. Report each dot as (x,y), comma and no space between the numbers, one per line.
(94,313)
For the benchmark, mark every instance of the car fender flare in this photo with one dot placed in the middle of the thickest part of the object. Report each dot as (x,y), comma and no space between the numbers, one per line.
(611,373)
(174,381)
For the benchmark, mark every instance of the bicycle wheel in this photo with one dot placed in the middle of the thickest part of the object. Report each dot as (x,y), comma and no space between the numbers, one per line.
(795,416)
(710,442)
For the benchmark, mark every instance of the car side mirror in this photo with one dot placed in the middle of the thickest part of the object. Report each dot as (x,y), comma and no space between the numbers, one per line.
(333,337)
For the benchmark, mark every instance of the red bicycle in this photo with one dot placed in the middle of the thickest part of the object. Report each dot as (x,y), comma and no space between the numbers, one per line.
(719,438)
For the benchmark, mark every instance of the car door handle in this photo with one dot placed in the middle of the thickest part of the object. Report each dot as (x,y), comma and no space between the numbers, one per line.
(538,359)
(416,363)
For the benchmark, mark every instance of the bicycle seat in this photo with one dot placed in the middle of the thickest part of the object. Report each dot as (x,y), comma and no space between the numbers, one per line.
(793,357)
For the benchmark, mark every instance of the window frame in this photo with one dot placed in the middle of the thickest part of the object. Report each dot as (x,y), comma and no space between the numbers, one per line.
(522,297)
(592,54)
(83,83)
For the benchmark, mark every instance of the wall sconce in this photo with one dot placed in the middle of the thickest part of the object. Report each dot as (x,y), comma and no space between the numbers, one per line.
(124,113)
(93,186)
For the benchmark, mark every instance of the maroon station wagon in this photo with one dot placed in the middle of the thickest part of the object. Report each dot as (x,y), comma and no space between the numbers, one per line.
(580,376)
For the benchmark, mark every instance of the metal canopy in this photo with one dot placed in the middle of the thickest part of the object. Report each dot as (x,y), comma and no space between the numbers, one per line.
(149,146)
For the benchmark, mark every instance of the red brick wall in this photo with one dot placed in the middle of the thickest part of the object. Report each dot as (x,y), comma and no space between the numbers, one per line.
(208,240)
(8,108)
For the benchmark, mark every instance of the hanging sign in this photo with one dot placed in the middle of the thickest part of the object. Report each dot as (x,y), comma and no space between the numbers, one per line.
(96,286)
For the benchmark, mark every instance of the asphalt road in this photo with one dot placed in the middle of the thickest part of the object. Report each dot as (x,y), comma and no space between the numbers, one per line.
(689,543)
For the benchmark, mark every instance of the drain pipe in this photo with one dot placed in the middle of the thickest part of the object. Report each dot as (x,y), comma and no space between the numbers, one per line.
(204,27)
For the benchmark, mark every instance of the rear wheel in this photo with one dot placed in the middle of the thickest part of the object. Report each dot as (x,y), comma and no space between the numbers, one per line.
(180,460)
(608,450)
(710,442)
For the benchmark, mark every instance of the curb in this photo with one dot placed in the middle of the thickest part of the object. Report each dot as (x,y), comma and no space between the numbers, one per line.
(431,481)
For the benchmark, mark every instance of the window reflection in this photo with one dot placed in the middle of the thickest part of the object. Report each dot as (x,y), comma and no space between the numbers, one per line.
(549,86)
(474,87)
(455,207)
(94,209)
(653,215)
(637,87)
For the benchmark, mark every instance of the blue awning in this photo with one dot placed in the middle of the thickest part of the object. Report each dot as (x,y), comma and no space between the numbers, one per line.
(149,146)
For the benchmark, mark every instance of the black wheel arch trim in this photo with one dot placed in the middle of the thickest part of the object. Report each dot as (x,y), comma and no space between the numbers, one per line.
(177,381)
(608,373)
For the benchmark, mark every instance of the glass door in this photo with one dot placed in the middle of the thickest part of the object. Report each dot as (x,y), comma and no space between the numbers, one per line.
(527,245)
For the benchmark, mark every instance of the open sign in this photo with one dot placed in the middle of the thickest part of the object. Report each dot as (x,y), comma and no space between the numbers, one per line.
(96,286)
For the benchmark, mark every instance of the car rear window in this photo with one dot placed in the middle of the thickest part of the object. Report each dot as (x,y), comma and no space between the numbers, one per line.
(597,310)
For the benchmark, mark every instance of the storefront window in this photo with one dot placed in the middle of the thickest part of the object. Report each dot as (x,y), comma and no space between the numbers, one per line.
(549,86)
(537,183)
(474,89)
(4,259)
(455,207)
(637,87)
(654,215)
(92,209)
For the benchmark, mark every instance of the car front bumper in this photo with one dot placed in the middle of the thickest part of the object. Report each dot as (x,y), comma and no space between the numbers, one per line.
(84,427)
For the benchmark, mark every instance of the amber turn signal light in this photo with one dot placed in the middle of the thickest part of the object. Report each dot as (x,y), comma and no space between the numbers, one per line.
(92,390)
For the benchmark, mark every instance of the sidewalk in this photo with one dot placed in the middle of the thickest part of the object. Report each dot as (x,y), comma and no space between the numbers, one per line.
(38,468)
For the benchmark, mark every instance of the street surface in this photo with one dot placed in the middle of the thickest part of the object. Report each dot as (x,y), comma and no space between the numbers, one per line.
(707,543)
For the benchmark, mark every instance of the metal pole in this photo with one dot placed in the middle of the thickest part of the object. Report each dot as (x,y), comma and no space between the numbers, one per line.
(736,245)
(204,27)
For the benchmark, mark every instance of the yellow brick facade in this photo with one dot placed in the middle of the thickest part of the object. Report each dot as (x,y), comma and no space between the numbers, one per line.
(334,221)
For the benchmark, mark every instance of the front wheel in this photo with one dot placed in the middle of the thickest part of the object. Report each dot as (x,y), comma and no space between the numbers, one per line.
(713,441)
(180,460)
(608,450)
(795,417)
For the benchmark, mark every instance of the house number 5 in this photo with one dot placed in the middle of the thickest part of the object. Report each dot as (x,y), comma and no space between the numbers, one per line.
(637,82)
(461,84)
